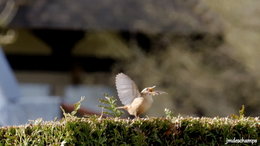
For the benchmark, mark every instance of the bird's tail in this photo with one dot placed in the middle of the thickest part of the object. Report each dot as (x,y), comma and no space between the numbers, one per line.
(122,107)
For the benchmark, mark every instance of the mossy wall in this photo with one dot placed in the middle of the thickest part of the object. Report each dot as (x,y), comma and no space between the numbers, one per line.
(149,131)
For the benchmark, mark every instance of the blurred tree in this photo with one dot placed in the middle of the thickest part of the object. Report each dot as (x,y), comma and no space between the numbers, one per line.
(200,71)
(207,82)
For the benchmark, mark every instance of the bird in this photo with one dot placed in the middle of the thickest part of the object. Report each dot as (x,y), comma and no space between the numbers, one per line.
(135,102)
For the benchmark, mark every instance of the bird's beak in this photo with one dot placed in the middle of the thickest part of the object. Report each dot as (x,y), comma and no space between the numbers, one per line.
(158,93)
(151,89)
(155,92)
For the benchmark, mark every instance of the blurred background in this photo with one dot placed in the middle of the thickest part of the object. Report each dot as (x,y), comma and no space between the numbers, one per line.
(205,54)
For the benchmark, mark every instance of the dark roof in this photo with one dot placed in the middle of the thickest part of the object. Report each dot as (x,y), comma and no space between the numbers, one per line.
(181,16)
(8,10)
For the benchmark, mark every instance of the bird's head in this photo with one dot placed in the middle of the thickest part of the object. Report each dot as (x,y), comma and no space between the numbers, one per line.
(151,91)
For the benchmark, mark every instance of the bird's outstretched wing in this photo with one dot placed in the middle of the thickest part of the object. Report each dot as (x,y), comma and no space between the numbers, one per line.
(126,88)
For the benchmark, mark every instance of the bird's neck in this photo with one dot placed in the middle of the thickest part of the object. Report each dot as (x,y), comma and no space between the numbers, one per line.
(148,98)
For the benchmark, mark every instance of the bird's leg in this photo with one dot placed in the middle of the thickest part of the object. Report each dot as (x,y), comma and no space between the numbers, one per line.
(136,115)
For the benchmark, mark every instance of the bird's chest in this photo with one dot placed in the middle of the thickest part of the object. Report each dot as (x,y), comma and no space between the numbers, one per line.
(147,103)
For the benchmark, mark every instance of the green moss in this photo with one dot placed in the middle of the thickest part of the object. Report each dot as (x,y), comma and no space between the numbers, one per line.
(115,131)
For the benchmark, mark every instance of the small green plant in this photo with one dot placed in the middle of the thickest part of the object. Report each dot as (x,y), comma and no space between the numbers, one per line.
(111,106)
(76,108)
(241,113)
(168,113)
